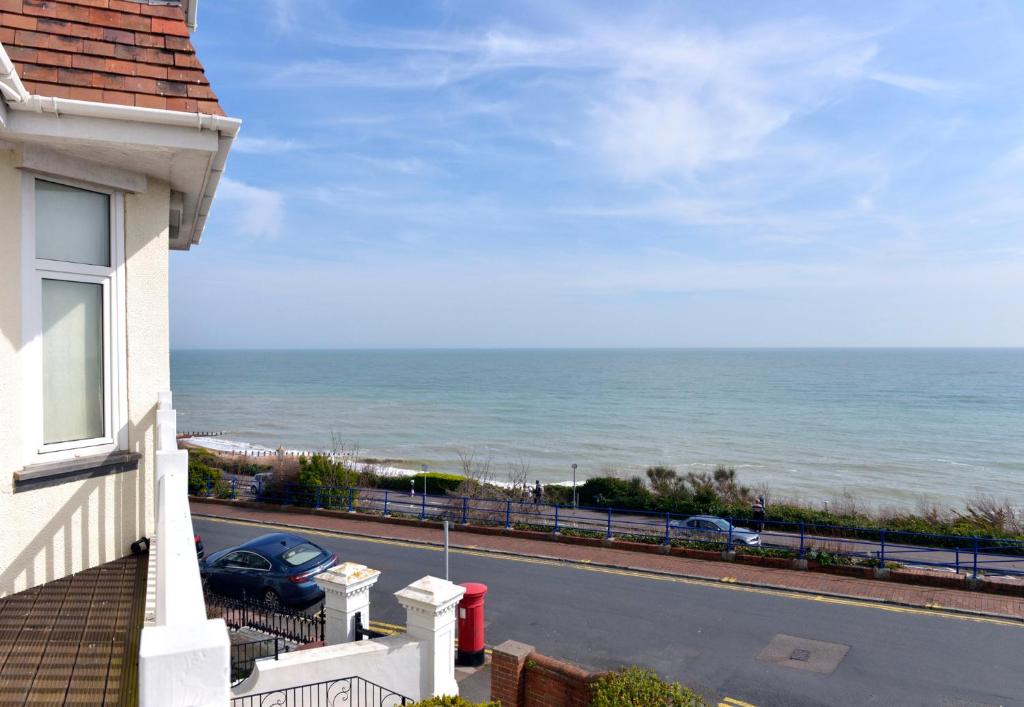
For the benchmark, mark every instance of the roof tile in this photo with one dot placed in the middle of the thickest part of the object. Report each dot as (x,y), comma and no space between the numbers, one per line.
(39,7)
(123,6)
(111,34)
(164,25)
(119,97)
(99,48)
(84,61)
(49,58)
(14,21)
(75,13)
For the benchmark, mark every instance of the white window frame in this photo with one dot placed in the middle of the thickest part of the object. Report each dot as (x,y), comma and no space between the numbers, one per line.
(34,271)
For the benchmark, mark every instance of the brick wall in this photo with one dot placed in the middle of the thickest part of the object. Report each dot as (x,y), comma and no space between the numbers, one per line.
(521,677)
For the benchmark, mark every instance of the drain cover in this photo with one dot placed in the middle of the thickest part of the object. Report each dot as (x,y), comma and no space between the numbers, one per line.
(803,654)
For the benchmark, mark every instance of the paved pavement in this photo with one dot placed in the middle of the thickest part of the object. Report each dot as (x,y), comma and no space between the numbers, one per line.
(753,644)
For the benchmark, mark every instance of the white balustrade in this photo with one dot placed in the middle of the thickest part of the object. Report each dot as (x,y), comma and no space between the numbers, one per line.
(184,658)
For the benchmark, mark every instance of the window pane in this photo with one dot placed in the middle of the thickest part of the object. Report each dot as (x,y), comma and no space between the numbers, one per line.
(72,361)
(72,225)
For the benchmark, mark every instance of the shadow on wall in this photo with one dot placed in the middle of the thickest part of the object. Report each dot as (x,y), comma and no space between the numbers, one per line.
(83,520)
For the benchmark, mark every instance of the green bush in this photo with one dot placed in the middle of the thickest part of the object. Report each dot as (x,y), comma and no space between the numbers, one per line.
(321,471)
(457,701)
(559,494)
(637,687)
(618,493)
(203,477)
(438,484)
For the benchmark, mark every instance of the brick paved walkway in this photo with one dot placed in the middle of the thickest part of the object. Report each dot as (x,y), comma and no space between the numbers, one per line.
(810,582)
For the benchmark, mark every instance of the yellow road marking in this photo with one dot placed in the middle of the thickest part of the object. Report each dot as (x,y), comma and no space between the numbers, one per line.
(730,580)
(767,591)
(732,701)
(393,627)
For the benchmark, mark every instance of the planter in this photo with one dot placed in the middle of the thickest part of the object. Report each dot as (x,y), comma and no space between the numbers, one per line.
(849,571)
(928,579)
(762,561)
(696,554)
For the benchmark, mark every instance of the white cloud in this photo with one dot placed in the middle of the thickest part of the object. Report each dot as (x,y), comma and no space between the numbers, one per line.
(253,211)
(917,84)
(264,145)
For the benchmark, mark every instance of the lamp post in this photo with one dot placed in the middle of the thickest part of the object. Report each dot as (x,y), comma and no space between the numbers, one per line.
(574,485)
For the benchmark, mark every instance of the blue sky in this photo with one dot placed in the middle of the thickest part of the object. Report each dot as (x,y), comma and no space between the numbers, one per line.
(532,174)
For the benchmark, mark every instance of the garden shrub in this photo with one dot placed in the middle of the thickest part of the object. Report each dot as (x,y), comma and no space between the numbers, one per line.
(438,484)
(614,492)
(202,477)
(637,687)
(456,701)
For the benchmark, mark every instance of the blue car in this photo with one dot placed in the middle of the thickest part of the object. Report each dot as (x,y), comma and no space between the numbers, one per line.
(277,568)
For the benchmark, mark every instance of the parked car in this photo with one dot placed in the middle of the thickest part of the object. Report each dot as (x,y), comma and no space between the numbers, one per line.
(716,529)
(277,568)
(260,481)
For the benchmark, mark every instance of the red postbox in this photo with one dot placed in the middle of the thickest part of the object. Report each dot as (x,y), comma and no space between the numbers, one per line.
(471,625)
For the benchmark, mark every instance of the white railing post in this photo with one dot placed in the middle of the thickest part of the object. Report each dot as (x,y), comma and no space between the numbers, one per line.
(430,605)
(347,592)
(184,658)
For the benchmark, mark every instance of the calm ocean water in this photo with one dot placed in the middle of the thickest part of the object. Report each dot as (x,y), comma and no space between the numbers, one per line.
(889,426)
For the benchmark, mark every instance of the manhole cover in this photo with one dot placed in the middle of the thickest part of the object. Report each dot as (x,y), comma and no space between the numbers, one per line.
(803,654)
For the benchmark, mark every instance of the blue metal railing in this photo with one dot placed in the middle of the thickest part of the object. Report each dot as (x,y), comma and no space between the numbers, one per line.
(878,547)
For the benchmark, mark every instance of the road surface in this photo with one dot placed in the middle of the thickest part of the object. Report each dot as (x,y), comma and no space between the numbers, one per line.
(707,635)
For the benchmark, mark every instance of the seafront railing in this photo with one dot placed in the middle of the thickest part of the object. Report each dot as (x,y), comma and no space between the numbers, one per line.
(815,542)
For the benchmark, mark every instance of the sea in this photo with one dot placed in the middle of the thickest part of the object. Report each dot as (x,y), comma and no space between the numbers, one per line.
(881,427)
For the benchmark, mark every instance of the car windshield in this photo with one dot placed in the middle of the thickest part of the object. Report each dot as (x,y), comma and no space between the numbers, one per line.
(301,554)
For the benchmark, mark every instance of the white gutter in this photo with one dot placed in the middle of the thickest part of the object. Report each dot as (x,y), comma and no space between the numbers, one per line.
(11,87)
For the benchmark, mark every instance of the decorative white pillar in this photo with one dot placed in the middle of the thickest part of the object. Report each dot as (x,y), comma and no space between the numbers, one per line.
(347,590)
(430,617)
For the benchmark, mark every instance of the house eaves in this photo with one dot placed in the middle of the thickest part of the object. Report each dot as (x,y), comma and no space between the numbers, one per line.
(81,123)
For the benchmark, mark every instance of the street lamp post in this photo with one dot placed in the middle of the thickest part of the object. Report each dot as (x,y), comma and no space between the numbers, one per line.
(574,485)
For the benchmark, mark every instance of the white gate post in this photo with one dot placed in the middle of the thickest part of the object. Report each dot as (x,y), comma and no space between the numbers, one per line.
(430,617)
(347,590)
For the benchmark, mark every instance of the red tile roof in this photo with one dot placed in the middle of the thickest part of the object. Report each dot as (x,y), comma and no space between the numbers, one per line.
(106,51)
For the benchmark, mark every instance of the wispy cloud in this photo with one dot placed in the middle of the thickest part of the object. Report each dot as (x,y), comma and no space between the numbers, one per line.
(264,145)
(917,84)
(251,211)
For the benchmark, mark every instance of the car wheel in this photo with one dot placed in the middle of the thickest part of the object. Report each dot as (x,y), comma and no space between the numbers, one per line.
(254,491)
(270,598)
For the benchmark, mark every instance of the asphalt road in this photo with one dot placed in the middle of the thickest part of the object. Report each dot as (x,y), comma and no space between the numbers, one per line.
(706,635)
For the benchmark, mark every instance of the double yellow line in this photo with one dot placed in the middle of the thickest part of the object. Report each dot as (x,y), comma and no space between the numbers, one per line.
(729,583)
(732,702)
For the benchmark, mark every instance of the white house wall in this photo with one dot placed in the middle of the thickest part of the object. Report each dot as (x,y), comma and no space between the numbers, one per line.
(47,533)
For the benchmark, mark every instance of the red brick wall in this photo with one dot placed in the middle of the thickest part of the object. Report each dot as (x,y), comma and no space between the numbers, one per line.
(521,677)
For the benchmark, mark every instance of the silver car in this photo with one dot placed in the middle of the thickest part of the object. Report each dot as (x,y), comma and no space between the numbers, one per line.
(259,482)
(716,529)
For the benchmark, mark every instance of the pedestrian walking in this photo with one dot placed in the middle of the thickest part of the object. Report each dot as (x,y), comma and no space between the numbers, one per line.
(758,512)
(538,492)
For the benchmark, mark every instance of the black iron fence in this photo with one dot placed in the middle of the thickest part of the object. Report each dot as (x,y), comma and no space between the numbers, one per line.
(296,626)
(245,655)
(351,692)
